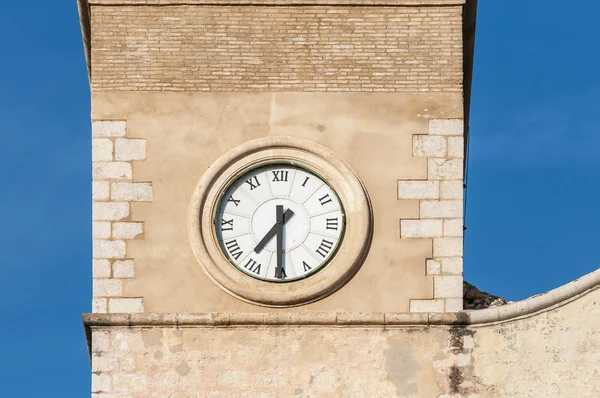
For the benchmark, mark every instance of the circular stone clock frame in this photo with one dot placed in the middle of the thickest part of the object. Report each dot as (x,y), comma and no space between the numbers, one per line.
(265,151)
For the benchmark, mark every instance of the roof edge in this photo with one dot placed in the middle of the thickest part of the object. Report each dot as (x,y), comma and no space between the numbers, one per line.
(86,32)
(539,303)
(469,27)
(278,2)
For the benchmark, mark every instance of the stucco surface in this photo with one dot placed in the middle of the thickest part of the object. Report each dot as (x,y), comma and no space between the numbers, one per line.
(552,353)
(186,132)
(555,353)
(275,362)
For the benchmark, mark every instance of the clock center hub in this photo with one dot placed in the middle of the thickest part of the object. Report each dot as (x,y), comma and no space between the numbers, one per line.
(295,229)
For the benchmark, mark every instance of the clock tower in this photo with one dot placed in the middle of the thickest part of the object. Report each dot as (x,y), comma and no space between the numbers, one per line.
(277,195)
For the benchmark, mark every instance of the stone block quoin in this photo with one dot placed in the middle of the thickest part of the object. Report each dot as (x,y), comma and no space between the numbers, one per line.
(114,189)
(440,212)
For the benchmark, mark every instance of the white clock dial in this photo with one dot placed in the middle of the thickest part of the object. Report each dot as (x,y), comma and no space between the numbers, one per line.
(310,228)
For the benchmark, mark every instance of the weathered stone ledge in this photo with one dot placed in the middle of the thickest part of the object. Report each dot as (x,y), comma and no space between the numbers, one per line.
(275,319)
(476,318)
(315,319)
(541,302)
(530,306)
(280,2)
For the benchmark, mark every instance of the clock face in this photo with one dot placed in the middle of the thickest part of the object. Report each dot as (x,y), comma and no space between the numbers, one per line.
(279,222)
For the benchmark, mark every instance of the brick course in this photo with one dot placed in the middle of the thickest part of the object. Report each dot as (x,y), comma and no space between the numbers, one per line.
(276,48)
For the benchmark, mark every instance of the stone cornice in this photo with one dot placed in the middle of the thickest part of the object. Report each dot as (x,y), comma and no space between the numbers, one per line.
(478,318)
(278,2)
(274,319)
(281,319)
(530,306)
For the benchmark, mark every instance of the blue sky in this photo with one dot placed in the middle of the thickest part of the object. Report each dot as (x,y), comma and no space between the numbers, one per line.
(532,207)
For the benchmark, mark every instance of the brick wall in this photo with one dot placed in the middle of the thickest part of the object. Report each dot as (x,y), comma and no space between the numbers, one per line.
(276,48)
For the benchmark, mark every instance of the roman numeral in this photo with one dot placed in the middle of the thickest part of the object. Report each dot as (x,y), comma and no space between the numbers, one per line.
(332,223)
(234,248)
(283,274)
(253,266)
(254,184)
(325,199)
(305,181)
(235,202)
(324,248)
(280,175)
(226,225)
(306,267)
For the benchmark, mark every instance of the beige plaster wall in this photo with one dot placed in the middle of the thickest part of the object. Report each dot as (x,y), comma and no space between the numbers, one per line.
(552,354)
(274,362)
(184,133)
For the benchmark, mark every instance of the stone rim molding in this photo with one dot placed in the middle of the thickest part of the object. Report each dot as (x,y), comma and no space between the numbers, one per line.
(252,154)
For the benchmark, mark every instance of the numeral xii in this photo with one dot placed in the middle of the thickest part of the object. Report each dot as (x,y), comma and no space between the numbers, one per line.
(280,175)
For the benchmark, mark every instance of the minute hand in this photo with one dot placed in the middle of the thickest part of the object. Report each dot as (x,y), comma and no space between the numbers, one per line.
(286,216)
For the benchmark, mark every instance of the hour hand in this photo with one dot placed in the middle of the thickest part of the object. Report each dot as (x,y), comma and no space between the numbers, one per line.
(286,216)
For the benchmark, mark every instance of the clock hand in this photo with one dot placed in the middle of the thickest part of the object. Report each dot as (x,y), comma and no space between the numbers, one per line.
(286,216)
(279,233)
